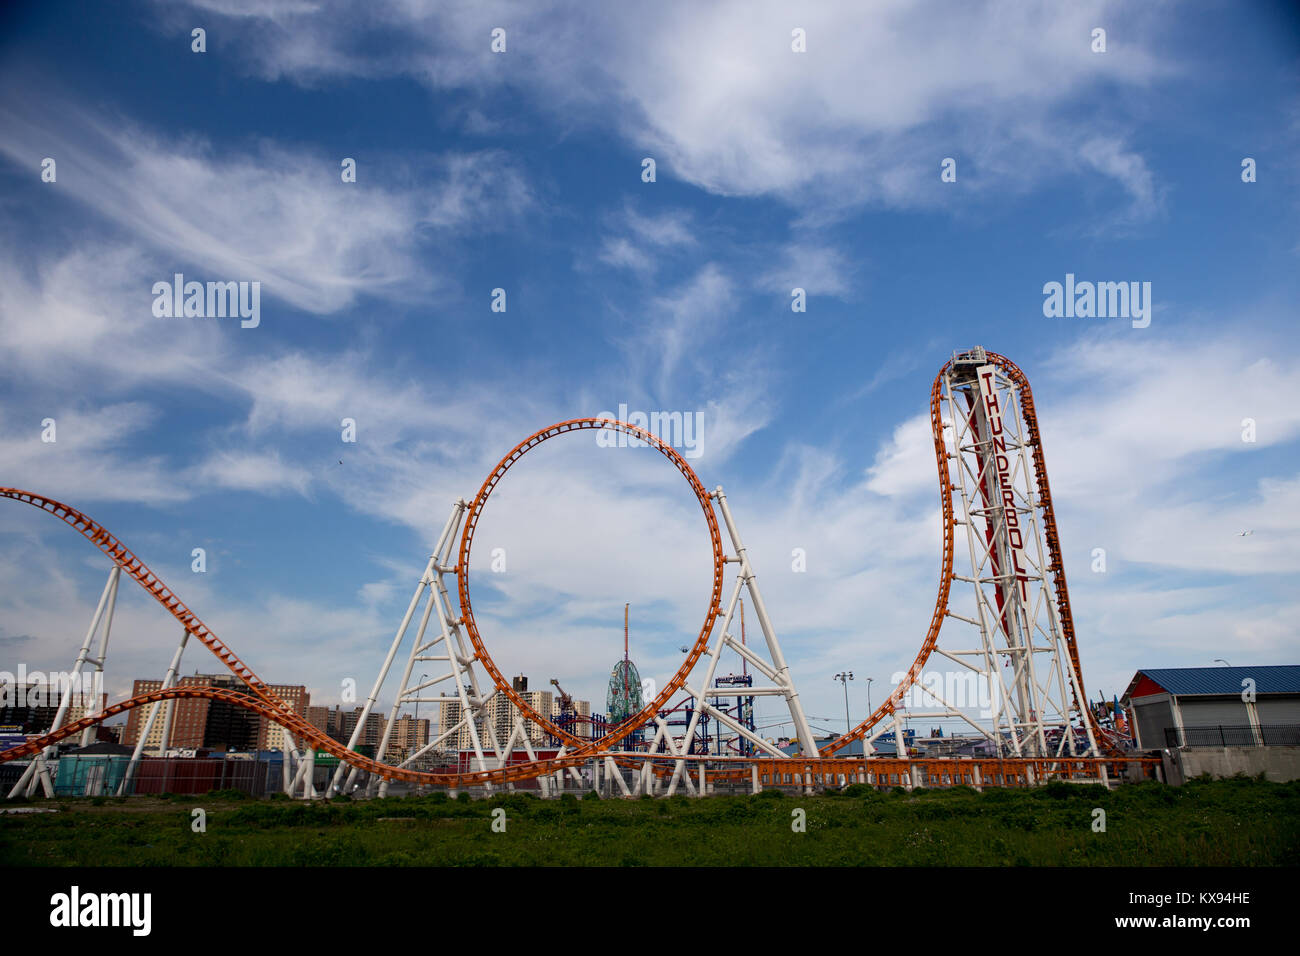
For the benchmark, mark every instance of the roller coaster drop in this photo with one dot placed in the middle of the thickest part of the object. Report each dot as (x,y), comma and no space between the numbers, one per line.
(990,463)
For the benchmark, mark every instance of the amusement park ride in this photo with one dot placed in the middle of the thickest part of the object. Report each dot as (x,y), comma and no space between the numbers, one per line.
(1013,634)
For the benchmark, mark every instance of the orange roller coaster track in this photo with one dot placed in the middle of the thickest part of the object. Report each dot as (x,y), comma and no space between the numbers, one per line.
(1056,566)
(467,609)
(264,702)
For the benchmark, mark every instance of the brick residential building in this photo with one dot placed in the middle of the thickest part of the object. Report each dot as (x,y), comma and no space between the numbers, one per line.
(213,724)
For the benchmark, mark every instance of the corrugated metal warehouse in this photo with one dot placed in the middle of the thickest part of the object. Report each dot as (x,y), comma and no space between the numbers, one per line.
(1243,706)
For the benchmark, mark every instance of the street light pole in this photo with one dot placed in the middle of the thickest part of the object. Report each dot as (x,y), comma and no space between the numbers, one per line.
(869,680)
(844,677)
(415,729)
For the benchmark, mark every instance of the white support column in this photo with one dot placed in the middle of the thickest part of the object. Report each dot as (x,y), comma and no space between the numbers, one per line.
(309,775)
(678,771)
(806,740)
(298,772)
(38,770)
(614,772)
(169,680)
(286,768)
(425,580)
(647,766)
(402,691)
(543,784)
(557,778)
(88,735)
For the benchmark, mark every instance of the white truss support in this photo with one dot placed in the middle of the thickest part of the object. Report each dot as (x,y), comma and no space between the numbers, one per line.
(679,767)
(383,675)
(774,667)
(286,763)
(38,770)
(169,681)
(299,771)
(503,753)
(573,772)
(448,645)
(22,786)
(382,752)
(756,662)
(996,490)
(732,724)
(433,744)
(949,709)
(719,642)
(299,775)
(473,703)
(781,675)
(309,775)
(647,776)
(543,783)
(614,772)
(88,735)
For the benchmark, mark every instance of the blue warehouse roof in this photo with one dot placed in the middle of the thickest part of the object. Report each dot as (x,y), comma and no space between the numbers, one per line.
(1190,681)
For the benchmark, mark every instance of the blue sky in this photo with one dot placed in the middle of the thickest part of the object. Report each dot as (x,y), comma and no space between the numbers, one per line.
(522,170)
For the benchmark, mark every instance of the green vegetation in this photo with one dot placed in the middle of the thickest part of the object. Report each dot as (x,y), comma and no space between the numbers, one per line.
(1236,822)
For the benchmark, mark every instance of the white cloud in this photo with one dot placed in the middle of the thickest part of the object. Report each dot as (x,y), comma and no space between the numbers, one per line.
(83,319)
(688,318)
(273,214)
(88,460)
(642,241)
(667,229)
(1155,409)
(619,252)
(906,464)
(813,266)
(716,94)
(256,471)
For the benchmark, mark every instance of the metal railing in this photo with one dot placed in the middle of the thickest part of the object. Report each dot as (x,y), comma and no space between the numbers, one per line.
(1234,735)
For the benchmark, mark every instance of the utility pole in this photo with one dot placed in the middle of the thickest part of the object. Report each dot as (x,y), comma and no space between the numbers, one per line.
(415,731)
(844,678)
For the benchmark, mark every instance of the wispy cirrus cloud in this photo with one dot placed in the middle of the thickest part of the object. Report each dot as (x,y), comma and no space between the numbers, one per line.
(270,212)
(720,97)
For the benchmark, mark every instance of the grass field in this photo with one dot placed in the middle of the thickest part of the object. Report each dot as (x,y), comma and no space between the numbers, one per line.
(1236,822)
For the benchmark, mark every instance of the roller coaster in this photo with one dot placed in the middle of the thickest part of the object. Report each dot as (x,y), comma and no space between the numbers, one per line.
(1023,648)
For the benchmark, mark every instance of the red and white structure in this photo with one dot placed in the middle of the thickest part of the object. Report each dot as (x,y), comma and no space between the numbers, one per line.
(1020,655)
